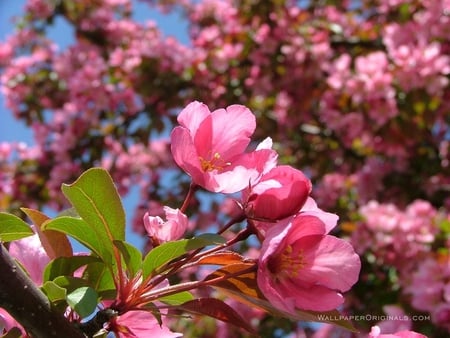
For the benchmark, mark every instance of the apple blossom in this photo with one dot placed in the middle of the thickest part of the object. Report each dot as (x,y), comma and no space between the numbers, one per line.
(30,253)
(163,231)
(375,332)
(278,194)
(300,263)
(210,147)
(139,324)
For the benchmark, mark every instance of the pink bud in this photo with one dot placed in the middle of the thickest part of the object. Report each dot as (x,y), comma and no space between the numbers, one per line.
(279,194)
(163,231)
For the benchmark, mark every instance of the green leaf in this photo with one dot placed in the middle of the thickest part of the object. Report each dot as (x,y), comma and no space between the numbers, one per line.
(66,266)
(70,283)
(83,300)
(168,251)
(131,255)
(54,292)
(97,201)
(161,255)
(100,278)
(13,228)
(83,233)
(177,299)
(204,240)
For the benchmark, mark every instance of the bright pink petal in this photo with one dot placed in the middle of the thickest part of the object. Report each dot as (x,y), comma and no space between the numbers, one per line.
(305,225)
(193,115)
(275,239)
(232,129)
(280,193)
(271,291)
(185,154)
(30,253)
(243,170)
(330,261)
(315,298)
(7,322)
(310,208)
(142,324)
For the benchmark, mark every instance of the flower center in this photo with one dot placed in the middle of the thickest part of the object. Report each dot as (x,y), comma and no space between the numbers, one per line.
(215,163)
(288,264)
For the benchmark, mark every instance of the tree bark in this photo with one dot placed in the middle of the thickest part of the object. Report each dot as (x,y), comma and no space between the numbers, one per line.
(28,305)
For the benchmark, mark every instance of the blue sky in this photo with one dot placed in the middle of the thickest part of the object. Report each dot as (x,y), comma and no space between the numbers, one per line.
(12,130)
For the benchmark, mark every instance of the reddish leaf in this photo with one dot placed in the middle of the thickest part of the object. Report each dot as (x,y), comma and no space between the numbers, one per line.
(217,309)
(244,282)
(221,258)
(55,243)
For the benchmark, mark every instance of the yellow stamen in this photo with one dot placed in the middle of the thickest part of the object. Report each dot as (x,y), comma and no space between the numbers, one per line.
(215,163)
(287,264)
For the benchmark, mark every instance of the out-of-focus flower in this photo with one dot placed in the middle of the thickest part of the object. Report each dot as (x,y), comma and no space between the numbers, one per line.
(375,332)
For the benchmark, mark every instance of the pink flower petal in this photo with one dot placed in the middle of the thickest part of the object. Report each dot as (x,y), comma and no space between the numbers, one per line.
(193,115)
(331,262)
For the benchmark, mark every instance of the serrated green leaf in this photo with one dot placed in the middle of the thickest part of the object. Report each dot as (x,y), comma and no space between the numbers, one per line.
(83,300)
(97,201)
(177,299)
(54,292)
(66,266)
(13,228)
(168,251)
(83,233)
(131,255)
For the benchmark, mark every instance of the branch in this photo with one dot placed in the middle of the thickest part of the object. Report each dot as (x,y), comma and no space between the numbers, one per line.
(28,305)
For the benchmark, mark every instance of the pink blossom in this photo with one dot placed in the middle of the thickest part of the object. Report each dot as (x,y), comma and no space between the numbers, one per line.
(278,194)
(397,236)
(329,219)
(396,320)
(30,253)
(429,287)
(140,324)
(7,322)
(210,147)
(375,332)
(302,267)
(164,231)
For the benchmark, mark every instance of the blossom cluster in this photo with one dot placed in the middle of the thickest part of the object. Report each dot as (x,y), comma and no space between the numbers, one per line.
(300,261)
(413,241)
